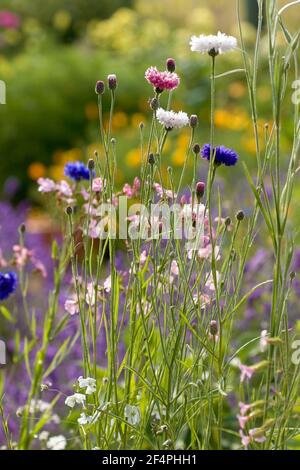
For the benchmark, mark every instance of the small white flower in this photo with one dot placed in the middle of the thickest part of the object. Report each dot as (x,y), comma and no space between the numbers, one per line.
(172,120)
(43,436)
(218,44)
(84,419)
(132,414)
(263,340)
(57,442)
(78,398)
(88,383)
(107,284)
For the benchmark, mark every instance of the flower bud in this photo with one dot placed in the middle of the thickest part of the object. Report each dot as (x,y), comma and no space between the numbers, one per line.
(240,216)
(22,228)
(112,81)
(69,210)
(100,87)
(227,221)
(196,149)
(193,121)
(151,159)
(171,65)
(91,164)
(213,328)
(200,189)
(154,104)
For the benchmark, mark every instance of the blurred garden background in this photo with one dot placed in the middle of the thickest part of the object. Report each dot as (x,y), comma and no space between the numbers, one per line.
(52,53)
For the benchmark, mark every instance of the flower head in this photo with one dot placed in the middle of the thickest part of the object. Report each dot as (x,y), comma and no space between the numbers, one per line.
(246,372)
(213,44)
(8,284)
(57,442)
(46,185)
(77,398)
(77,171)
(222,155)
(172,120)
(89,384)
(162,80)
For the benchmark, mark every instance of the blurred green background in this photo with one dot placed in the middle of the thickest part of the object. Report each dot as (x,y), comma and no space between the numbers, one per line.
(52,52)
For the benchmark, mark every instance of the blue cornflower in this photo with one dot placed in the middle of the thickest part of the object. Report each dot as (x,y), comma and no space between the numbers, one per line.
(8,284)
(77,171)
(222,155)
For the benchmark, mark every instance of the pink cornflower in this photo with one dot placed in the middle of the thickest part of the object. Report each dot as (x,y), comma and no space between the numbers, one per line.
(46,185)
(246,372)
(9,20)
(97,185)
(131,191)
(162,80)
(64,188)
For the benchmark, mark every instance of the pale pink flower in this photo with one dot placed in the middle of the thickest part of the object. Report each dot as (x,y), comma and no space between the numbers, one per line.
(246,372)
(162,80)
(39,267)
(143,257)
(257,435)
(242,421)
(71,305)
(244,408)
(46,185)
(64,188)
(263,340)
(90,294)
(21,256)
(245,439)
(107,284)
(97,185)
(3,262)
(161,192)
(127,190)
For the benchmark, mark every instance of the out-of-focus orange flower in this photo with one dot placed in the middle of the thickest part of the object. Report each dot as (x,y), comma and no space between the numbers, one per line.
(36,170)
(237,90)
(91,111)
(56,172)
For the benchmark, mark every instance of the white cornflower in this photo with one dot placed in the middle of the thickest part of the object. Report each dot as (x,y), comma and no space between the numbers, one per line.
(213,45)
(57,442)
(132,414)
(88,383)
(172,120)
(78,398)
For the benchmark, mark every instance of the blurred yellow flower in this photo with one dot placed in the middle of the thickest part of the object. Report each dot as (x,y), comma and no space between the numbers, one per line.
(137,118)
(133,157)
(36,170)
(62,20)
(120,120)
(235,119)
